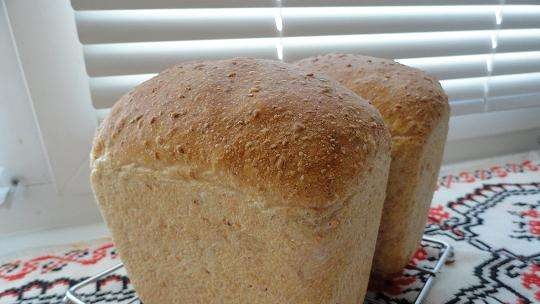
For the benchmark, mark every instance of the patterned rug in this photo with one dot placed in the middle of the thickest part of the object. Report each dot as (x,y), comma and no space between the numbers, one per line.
(488,210)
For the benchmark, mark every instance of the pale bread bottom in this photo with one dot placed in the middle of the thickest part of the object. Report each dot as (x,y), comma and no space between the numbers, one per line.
(411,183)
(189,241)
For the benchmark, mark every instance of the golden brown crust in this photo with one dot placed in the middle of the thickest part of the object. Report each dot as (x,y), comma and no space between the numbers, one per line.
(410,101)
(258,125)
(415,109)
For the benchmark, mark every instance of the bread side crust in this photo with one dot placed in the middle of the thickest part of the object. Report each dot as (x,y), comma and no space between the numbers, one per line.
(185,240)
(411,183)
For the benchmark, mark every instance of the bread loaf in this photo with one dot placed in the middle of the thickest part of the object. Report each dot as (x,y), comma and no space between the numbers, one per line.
(415,108)
(243,181)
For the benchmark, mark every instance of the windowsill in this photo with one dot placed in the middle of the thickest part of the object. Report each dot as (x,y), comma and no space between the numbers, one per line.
(29,241)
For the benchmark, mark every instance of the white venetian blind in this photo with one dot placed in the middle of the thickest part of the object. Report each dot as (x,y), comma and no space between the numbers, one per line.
(486,53)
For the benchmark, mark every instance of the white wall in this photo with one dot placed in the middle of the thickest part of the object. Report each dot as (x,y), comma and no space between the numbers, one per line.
(52,62)
(21,151)
(35,204)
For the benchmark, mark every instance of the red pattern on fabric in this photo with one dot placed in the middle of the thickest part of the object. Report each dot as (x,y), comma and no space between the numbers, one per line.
(41,286)
(397,285)
(531,279)
(420,255)
(499,171)
(531,213)
(50,263)
(468,177)
(530,165)
(109,279)
(437,215)
(63,282)
(534,225)
(9,292)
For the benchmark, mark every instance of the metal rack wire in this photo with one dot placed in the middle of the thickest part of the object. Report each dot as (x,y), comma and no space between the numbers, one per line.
(445,255)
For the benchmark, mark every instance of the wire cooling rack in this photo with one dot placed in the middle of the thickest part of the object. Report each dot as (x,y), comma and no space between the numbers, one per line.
(445,255)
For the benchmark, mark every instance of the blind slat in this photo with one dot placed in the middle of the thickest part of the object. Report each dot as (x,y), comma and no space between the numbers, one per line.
(521,16)
(515,84)
(521,2)
(522,40)
(317,21)
(466,95)
(516,63)
(450,67)
(464,88)
(145,4)
(106,90)
(503,103)
(469,106)
(182,24)
(166,25)
(308,3)
(158,4)
(405,45)
(153,57)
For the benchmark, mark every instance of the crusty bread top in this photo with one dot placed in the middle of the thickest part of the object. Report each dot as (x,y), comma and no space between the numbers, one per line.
(259,126)
(410,101)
